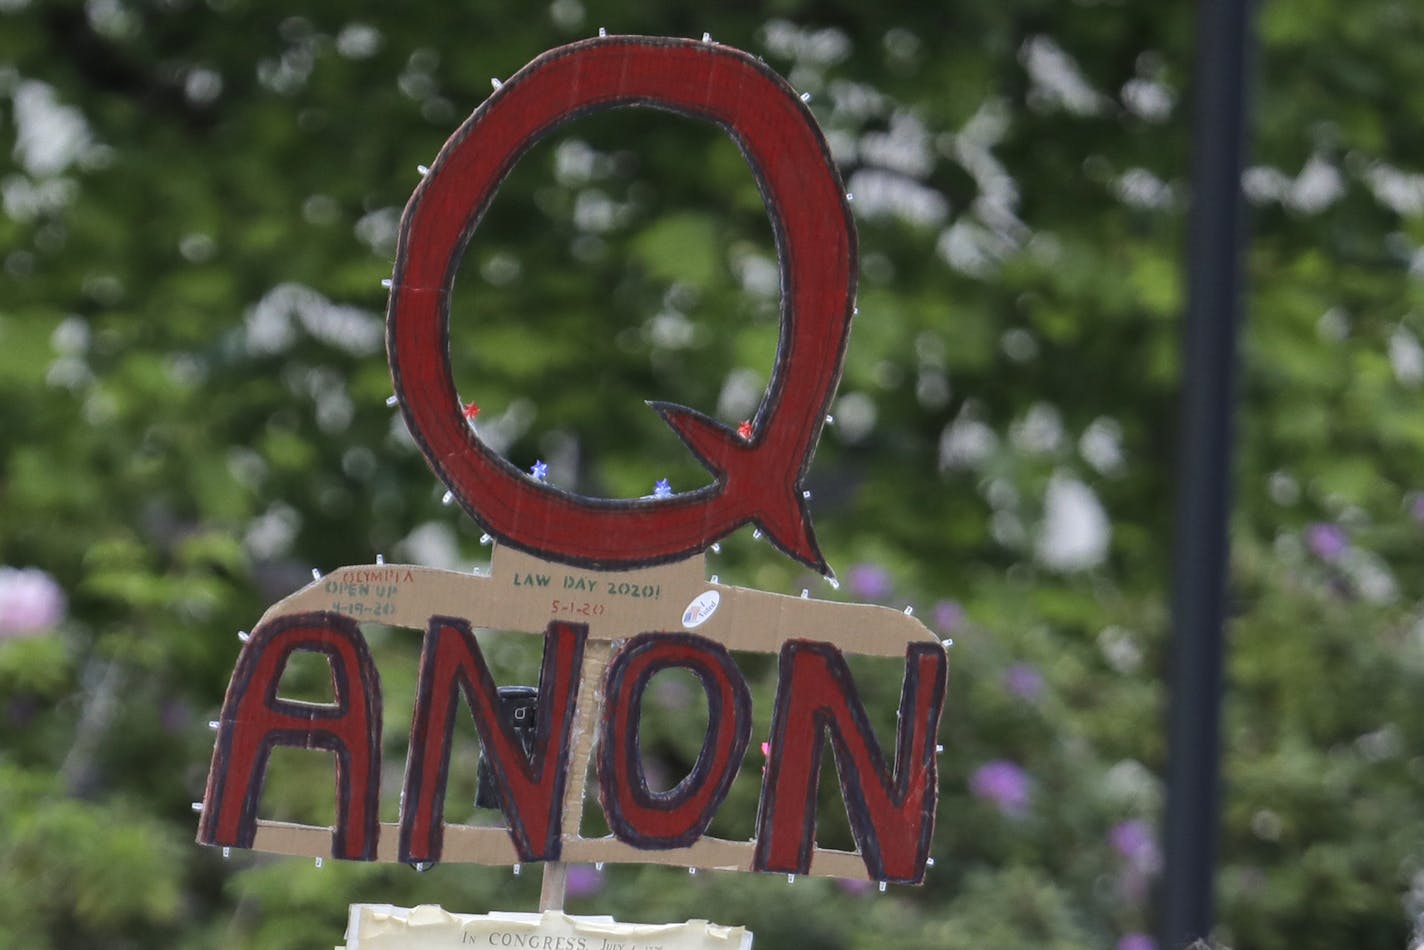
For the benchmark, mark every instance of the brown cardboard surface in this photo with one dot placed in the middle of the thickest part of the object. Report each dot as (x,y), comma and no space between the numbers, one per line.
(590,702)
(523,593)
(465,844)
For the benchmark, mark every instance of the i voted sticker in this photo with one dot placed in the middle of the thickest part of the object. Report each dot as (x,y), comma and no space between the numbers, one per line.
(703,606)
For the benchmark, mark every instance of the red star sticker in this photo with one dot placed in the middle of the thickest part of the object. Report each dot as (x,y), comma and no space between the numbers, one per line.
(471,410)
(745,431)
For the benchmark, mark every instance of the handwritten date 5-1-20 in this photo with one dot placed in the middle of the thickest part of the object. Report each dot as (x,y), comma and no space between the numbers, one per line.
(584,609)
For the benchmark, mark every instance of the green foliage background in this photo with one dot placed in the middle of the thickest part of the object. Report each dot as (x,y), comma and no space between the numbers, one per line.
(199,206)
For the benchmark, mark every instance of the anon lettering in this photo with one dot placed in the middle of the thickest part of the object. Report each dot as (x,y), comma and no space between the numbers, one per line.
(890,803)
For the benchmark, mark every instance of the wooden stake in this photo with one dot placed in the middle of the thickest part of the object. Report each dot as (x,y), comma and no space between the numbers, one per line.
(556,879)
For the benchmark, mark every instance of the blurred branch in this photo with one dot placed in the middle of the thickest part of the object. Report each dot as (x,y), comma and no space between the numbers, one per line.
(104,68)
(78,769)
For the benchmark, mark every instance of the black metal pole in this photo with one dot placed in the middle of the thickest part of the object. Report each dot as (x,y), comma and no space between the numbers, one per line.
(1216,240)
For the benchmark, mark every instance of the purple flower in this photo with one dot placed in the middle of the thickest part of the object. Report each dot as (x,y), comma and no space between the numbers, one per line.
(948,616)
(1326,540)
(21,711)
(1003,784)
(869,581)
(1136,941)
(1416,507)
(1024,681)
(30,602)
(174,716)
(671,693)
(1135,842)
(854,886)
(583,881)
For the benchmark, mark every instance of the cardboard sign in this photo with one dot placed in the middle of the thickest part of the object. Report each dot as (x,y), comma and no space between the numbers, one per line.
(617,589)
(383,927)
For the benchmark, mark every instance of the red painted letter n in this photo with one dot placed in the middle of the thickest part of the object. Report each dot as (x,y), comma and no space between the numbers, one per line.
(891,814)
(531,788)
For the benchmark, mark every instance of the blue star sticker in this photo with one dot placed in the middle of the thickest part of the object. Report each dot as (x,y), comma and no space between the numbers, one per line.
(540,471)
(662,489)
